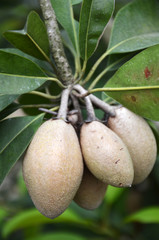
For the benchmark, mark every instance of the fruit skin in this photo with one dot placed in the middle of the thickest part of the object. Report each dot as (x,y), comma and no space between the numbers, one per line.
(105,155)
(91,191)
(53,167)
(139,139)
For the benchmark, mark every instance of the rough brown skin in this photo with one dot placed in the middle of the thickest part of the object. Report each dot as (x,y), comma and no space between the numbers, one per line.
(91,191)
(139,139)
(53,167)
(105,154)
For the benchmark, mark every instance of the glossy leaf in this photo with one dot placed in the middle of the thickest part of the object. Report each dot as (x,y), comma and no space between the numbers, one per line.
(73,2)
(33,39)
(136,26)
(16,133)
(94,17)
(141,70)
(43,64)
(5,100)
(147,215)
(8,110)
(65,17)
(18,74)
(33,217)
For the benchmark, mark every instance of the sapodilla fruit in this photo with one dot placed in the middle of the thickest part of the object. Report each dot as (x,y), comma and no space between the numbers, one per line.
(53,167)
(139,139)
(91,191)
(106,155)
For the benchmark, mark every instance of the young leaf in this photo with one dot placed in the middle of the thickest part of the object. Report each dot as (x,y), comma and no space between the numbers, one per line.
(16,133)
(18,74)
(141,71)
(5,100)
(147,215)
(65,17)
(136,26)
(94,17)
(33,39)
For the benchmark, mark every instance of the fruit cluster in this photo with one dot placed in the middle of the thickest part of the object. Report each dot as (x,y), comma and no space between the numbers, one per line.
(58,169)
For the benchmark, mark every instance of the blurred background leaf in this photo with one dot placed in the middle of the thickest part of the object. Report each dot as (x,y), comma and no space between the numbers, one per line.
(148,215)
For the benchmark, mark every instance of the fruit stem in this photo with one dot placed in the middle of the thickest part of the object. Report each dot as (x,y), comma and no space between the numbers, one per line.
(99,103)
(103,105)
(77,106)
(62,113)
(64,71)
(90,110)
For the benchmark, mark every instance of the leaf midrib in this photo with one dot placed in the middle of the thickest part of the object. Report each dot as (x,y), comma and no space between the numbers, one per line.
(24,76)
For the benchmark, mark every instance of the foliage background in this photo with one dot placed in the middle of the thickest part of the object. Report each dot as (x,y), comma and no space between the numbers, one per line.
(18,217)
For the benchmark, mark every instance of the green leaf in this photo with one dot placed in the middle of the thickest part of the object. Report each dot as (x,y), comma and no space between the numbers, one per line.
(136,26)
(25,84)
(3,213)
(33,39)
(43,64)
(11,63)
(94,16)
(10,109)
(58,236)
(141,71)
(18,74)
(73,2)
(67,42)
(16,133)
(113,194)
(5,100)
(65,17)
(33,217)
(147,215)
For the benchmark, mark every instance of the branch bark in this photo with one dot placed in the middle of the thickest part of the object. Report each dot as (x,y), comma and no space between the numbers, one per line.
(63,68)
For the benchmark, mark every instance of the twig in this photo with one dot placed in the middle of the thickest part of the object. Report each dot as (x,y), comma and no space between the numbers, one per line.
(48,111)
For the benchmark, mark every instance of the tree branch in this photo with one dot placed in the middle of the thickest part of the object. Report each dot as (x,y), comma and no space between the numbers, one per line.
(63,69)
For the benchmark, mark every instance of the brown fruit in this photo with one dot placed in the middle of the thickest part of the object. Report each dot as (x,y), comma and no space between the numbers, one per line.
(105,154)
(53,167)
(139,139)
(91,191)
